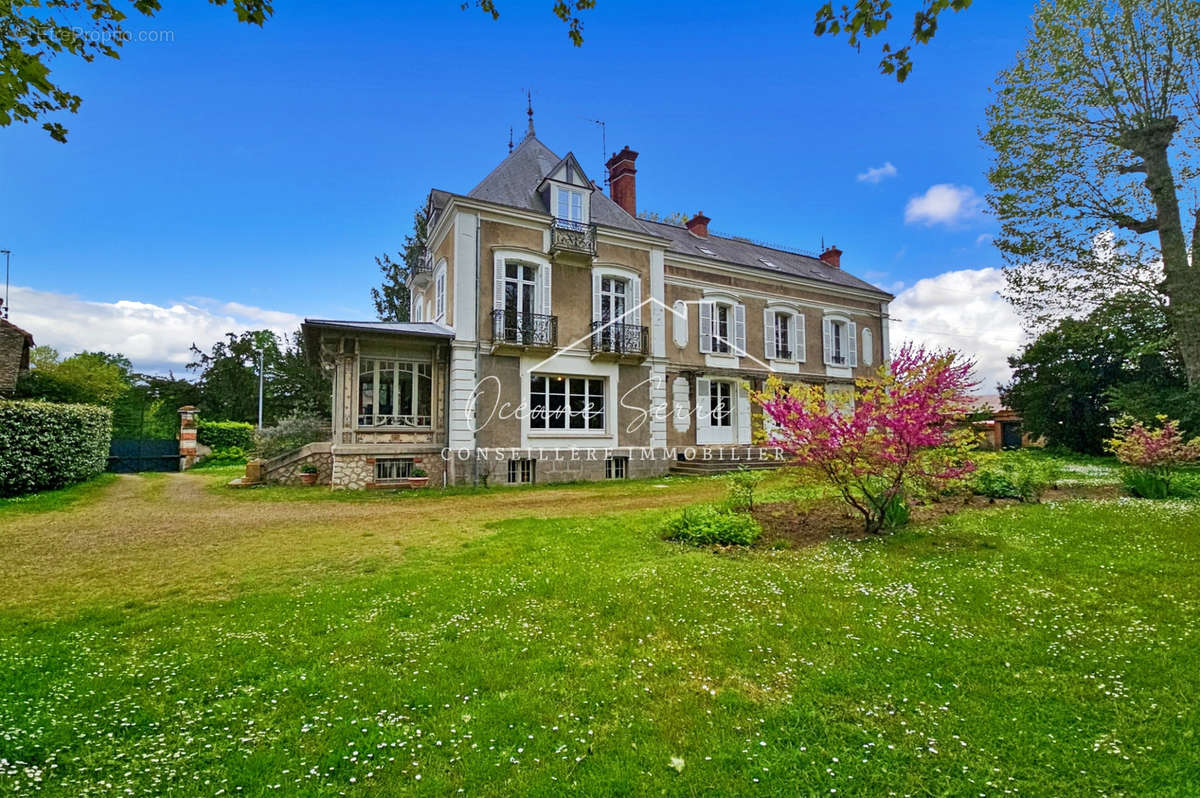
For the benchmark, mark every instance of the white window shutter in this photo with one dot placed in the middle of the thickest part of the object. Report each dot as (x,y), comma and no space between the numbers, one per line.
(706,319)
(798,342)
(633,302)
(498,287)
(868,345)
(852,344)
(596,289)
(827,337)
(739,330)
(544,276)
(769,334)
(703,403)
(743,415)
(679,322)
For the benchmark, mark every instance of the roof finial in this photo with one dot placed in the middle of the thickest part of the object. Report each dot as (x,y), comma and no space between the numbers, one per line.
(529,109)
(510,139)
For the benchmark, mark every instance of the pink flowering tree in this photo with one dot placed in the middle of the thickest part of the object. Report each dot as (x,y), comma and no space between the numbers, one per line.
(901,430)
(1155,452)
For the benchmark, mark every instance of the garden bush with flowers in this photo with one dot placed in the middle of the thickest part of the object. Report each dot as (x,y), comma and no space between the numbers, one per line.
(902,436)
(1153,456)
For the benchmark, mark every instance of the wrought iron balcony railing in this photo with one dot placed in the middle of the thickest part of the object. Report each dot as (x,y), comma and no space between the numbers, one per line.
(524,329)
(621,339)
(569,236)
(783,353)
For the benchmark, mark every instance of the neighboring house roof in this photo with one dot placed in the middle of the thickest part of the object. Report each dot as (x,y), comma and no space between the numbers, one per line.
(514,183)
(28,335)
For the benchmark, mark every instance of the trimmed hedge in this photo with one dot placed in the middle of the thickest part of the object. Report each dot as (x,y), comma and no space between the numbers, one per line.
(45,445)
(225,434)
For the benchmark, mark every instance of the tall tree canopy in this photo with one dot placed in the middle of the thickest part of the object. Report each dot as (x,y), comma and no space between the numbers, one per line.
(1079,375)
(93,378)
(391,298)
(1094,131)
(33,32)
(228,378)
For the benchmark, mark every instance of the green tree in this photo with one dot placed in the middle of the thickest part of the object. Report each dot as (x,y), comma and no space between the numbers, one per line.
(565,10)
(392,298)
(1073,380)
(1094,133)
(34,32)
(228,378)
(95,378)
(865,19)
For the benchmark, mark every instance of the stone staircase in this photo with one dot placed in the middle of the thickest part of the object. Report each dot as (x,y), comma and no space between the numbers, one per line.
(710,460)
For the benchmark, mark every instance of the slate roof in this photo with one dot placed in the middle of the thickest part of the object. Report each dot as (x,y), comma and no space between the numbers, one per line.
(398,327)
(515,180)
(741,252)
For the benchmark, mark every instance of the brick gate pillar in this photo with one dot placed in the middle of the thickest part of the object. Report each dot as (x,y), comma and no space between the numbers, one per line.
(187,437)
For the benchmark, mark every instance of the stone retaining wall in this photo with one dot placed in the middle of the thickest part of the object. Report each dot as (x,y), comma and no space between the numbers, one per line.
(285,469)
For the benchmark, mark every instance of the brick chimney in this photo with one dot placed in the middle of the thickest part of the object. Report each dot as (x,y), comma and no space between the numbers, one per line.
(698,225)
(622,180)
(832,256)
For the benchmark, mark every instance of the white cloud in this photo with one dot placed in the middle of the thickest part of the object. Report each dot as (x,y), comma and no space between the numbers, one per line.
(983,238)
(943,203)
(155,337)
(962,310)
(877,174)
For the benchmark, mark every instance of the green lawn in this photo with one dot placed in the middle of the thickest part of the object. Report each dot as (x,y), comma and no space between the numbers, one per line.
(164,635)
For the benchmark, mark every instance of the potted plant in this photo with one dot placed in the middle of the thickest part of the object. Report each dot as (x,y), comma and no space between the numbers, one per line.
(418,478)
(308,474)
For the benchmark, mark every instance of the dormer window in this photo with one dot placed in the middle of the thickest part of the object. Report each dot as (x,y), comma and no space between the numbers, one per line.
(570,205)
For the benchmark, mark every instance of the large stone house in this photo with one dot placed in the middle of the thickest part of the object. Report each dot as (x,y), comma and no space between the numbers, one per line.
(555,335)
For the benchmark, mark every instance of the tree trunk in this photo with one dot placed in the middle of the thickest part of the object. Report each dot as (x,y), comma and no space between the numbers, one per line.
(1180,282)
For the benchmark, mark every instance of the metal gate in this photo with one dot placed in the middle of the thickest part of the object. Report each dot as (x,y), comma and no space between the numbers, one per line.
(130,455)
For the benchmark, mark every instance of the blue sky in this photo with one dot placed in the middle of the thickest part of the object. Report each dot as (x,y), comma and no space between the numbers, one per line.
(267,167)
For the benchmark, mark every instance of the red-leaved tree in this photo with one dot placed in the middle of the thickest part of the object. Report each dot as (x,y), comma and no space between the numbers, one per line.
(901,430)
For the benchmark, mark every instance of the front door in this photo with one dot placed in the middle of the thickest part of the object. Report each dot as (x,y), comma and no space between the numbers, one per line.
(1010,435)
(721,413)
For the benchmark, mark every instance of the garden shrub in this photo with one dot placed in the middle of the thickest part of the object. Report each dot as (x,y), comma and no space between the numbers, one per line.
(706,525)
(230,455)
(290,433)
(1153,456)
(742,484)
(225,434)
(45,446)
(1014,475)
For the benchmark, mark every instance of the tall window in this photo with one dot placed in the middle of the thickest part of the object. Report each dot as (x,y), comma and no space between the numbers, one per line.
(720,398)
(394,393)
(837,345)
(783,342)
(570,205)
(519,296)
(439,312)
(721,327)
(566,403)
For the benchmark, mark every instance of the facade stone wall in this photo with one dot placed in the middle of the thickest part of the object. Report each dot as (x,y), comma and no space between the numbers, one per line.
(289,474)
(559,465)
(355,469)
(14,356)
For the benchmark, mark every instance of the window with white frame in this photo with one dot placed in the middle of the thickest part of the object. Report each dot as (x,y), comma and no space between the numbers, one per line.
(393,469)
(566,403)
(722,327)
(394,393)
(522,471)
(616,467)
(783,334)
(720,404)
(418,305)
(840,347)
(439,302)
(570,205)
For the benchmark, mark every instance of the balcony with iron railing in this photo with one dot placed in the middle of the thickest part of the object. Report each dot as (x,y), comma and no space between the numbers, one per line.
(619,340)
(511,329)
(573,238)
(421,272)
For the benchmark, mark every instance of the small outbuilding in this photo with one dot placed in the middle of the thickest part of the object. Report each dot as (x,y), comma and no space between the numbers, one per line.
(15,344)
